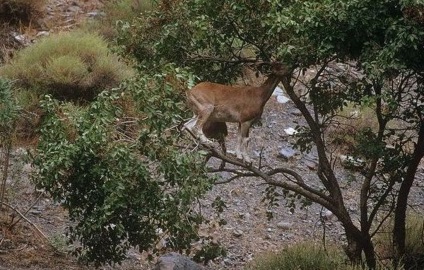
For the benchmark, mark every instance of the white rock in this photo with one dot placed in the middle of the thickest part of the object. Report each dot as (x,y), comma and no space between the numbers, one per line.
(290,131)
(327,215)
(43,34)
(282,99)
(278,91)
(20,38)
(287,152)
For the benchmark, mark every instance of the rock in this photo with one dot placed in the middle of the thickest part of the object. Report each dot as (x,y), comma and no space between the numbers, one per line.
(36,212)
(278,91)
(286,153)
(350,162)
(238,233)
(296,112)
(290,131)
(175,261)
(312,165)
(284,225)
(96,14)
(73,9)
(244,215)
(20,38)
(327,215)
(282,99)
(43,34)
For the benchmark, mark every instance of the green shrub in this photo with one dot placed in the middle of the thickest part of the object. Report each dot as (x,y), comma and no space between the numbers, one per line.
(16,11)
(72,65)
(120,191)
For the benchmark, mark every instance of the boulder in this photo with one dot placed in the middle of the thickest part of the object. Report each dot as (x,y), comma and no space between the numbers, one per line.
(176,261)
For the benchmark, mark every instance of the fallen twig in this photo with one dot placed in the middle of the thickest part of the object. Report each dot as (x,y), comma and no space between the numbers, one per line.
(26,219)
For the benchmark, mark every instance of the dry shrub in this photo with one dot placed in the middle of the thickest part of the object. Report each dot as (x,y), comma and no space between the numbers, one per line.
(119,10)
(16,11)
(300,256)
(343,131)
(70,66)
(414,242)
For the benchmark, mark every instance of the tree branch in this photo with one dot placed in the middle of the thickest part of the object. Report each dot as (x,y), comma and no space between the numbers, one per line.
(26,219)
(298,185)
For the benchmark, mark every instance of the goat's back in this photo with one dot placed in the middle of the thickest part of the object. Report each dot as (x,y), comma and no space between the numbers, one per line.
(214,93)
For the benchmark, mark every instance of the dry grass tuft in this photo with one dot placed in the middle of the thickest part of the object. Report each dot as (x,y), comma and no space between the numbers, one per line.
(21,11)
(74,65)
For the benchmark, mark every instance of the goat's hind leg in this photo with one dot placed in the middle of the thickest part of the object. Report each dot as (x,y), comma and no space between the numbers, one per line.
(194,128)
(224,151)
(202,119)
(190,124)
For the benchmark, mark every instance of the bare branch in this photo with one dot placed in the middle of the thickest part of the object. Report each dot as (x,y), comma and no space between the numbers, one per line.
(297,186)
(26,219)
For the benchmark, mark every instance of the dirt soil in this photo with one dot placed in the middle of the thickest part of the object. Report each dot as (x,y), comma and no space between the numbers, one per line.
(38,241)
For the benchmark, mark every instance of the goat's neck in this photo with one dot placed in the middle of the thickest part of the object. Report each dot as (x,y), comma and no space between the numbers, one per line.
(268,87)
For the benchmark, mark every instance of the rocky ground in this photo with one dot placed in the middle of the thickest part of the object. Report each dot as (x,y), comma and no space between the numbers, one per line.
(247,232)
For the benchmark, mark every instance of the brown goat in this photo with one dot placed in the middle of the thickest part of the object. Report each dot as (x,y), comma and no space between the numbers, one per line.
(212,102)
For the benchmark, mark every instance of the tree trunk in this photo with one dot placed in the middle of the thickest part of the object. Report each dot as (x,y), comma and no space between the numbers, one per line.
(369,252)
(353,249)
(357,242)
(399,232)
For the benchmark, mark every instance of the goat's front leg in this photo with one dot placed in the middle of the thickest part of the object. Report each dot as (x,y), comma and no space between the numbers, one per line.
(243,141)
(239,143)
(244,145)
(224,150)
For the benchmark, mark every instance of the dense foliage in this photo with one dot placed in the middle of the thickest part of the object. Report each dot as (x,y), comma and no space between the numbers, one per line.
(118,169)
(8,117)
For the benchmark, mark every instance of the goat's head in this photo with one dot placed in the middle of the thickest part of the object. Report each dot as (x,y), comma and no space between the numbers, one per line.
(276,68)
(280,69)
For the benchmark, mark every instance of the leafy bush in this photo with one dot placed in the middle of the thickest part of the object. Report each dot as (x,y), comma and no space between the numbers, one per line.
(8,116)
(123,191)
(72,65)
(20,10)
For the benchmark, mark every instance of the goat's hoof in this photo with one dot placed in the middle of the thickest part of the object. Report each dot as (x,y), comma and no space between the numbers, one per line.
(208,143)
(247,161)
(222,166)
